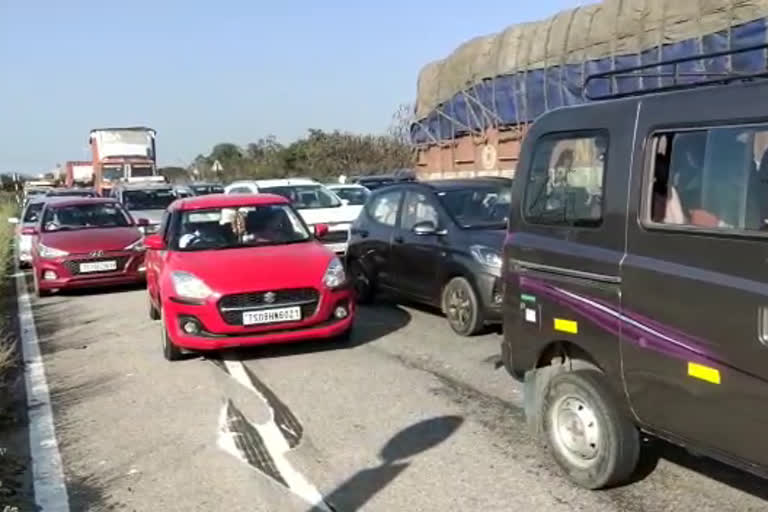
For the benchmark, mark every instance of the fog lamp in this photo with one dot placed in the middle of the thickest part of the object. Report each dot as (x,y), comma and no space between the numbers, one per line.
(340,312)
(49,275)
(190,326)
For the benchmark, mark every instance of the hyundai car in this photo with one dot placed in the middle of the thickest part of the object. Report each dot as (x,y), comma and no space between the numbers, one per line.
(438,243)
(85,242)
(236,270)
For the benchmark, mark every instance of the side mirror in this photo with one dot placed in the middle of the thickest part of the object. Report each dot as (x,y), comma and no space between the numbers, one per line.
(425,228)
(29,231)
(321,230)
(142,222)
(13,220)
(154,242)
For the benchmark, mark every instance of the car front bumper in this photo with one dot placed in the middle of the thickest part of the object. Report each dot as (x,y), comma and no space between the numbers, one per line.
(216,334)
(133,271)
(489,287)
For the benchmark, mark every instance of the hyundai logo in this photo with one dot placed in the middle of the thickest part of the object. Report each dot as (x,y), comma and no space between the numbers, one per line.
(96,254)
(270,297)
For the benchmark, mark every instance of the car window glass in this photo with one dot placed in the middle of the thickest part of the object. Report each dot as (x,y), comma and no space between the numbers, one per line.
(417,208)
(84,216)
(565,183)
(33,212)
(715,178)
(383,209)
(240,190)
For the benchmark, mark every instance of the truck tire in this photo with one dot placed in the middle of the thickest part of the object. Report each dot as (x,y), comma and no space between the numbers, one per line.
(589,436)
(462,307)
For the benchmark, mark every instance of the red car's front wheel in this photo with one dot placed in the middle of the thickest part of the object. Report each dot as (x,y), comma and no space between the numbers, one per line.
(171,351)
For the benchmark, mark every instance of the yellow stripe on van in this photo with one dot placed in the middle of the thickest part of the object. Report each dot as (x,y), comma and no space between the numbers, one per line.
(568,326)
(699,371)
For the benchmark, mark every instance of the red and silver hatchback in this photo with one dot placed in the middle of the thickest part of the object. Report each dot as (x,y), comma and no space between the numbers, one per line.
(85,242)
(240,270)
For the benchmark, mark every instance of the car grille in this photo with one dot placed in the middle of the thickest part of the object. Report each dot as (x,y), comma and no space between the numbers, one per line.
(335,237)
(74,265)
(231,307)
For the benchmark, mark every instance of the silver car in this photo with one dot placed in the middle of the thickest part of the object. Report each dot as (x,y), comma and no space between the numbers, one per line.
(29,218)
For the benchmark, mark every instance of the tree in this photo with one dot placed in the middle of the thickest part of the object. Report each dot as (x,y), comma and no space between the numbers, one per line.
(174,174)
(400,127)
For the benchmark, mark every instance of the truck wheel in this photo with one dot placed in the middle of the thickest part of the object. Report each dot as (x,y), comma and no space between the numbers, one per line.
(154,314)
(362,282)
(462,308)
(170,350)
(589,436)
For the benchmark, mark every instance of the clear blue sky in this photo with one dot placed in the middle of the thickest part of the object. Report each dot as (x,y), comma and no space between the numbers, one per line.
(213,71)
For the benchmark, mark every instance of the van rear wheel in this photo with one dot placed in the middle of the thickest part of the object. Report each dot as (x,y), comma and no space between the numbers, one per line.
(589,436)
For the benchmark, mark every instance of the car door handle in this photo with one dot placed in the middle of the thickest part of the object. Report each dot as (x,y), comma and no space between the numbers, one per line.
(399,240)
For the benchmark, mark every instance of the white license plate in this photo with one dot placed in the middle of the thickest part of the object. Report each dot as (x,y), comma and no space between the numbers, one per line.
(98,266)
(269,316)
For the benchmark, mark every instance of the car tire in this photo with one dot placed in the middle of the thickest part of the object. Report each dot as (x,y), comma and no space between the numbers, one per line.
(344,339)
(39,292)
(171,351)
(462,307)
(362,283)
(590,437)
(154,314)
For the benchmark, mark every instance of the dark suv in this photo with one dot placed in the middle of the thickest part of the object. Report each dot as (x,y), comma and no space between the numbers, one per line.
(637,294)
(438,243)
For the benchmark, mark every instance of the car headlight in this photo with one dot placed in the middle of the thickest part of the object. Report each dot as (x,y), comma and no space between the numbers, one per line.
(50,252)
(486,255)
(334,274)
(137,246)
(189,286)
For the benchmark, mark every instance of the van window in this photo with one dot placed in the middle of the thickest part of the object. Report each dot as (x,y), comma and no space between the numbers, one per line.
(715,178)
(565,183)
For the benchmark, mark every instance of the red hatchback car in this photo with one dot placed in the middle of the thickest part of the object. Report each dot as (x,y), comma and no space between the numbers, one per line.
(239,270)
(85,242)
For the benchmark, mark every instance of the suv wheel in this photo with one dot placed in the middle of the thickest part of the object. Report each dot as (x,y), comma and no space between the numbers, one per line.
(462,308)
(170,350)
(362,283)
(589,437)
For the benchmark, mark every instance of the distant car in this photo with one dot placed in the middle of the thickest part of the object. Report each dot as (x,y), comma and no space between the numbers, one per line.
(71,192)
(182,191)
(146,200)
(85,242)
(438,243)
(30,217)
(314,201)
(353,194)
(31,192)
(203,189)
(243,270)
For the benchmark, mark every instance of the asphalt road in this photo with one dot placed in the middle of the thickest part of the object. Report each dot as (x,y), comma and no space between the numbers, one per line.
(409,418)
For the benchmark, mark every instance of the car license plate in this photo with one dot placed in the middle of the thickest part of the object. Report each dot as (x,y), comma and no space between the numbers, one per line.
(269,316)
(98,266)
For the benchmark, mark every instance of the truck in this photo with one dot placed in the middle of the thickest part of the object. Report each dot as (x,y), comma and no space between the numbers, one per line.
(78,173)
(473,108)
(122,154)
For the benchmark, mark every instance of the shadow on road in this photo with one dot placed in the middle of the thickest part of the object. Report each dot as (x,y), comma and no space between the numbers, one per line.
(371,323)
(358,489)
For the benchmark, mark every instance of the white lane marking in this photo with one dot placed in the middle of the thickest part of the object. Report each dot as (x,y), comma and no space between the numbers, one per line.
(274,441)
(47,469)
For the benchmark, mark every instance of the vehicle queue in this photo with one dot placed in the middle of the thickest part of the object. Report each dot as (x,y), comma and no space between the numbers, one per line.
(624,263)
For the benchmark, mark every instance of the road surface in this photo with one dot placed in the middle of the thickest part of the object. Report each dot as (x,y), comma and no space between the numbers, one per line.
(410,417)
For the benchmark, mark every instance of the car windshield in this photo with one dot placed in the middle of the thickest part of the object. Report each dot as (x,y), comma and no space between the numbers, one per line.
(32,214)
(148,199)
(73,193)
(235,227)
(354,195)
(478,206)
(84,216)
(305,197)
(35,192)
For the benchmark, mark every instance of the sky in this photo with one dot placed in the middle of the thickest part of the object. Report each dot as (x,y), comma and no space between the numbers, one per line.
(206,72)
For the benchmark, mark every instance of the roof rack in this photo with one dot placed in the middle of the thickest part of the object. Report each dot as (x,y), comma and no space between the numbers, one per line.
(720,78)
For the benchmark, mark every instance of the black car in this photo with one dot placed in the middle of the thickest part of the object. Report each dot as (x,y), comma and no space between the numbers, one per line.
(438,243)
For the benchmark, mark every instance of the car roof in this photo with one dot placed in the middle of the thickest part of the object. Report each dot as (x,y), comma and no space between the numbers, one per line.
(344,185)
(77,200)
(285,182)
(227,201)
(464,183)
(145,186)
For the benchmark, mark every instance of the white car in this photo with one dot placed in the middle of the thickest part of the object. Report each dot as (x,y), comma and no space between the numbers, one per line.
(30,216)
(315,203)
(354,194)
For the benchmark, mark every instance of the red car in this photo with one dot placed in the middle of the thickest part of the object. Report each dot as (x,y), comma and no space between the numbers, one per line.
(85,242)
(239,270)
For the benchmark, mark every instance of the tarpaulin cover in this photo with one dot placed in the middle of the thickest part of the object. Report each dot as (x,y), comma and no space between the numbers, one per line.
(514,76)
